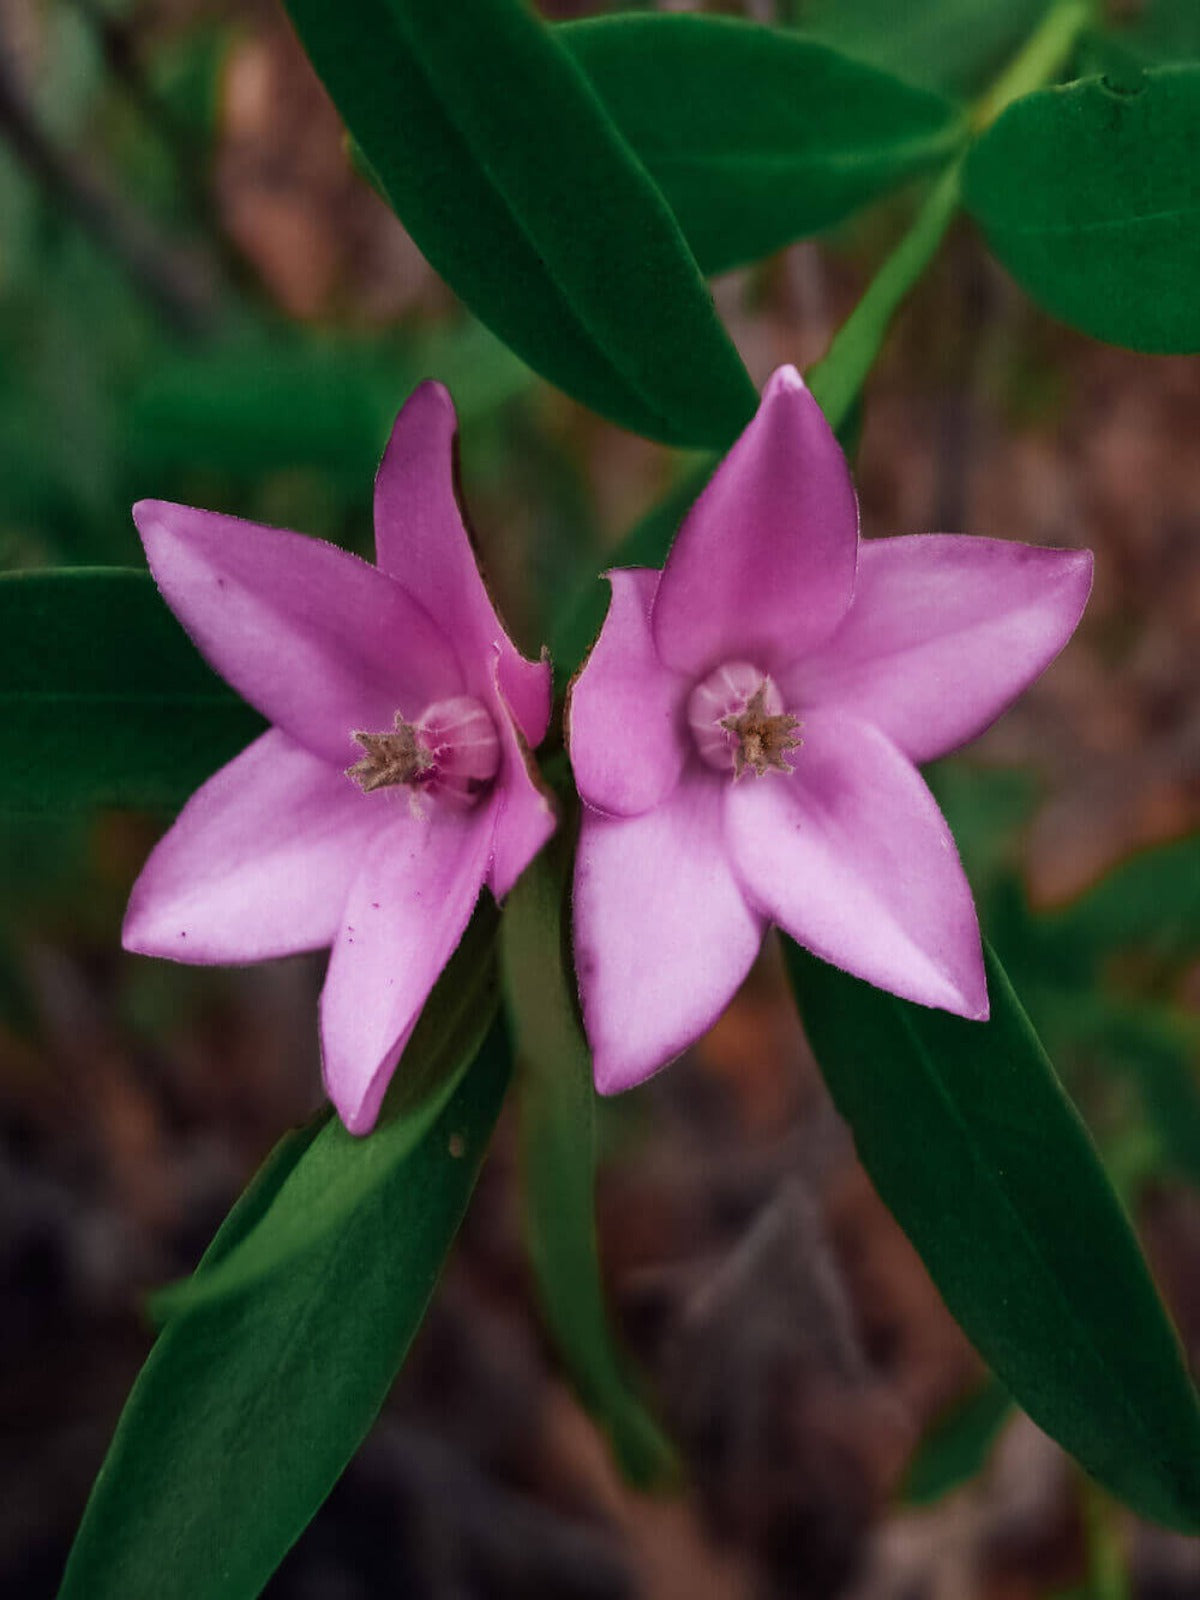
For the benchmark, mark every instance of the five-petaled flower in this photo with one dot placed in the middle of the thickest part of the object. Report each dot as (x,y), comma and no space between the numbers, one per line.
(745,736)
(394,781)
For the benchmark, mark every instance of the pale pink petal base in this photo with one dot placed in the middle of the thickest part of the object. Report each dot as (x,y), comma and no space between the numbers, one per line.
(943,633)
(663,934)
(625,718)
(258,863)
(405,914)
(851,856)
(422,541)
(763,567)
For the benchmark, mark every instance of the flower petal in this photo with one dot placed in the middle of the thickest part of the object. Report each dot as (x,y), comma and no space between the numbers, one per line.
(405,914)
(625,719)
(763,567)
(321,642)
(851,856)
(258,863)
(422,542)
(943,633)
(663,935)
(525,811)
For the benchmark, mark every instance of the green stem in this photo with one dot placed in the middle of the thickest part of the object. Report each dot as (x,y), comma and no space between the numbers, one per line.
(840,374)
(1046,52)
(838,377)
(1107,1576)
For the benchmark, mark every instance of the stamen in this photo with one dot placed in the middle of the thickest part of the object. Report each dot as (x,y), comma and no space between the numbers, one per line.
(739,723)
(391,758)
(762,739)
(452,750)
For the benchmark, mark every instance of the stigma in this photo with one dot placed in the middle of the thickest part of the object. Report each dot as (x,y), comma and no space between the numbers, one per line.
(451,751)
(739,722)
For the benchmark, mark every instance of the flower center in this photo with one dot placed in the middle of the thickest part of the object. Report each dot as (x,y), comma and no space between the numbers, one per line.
(739,723)
(451,750)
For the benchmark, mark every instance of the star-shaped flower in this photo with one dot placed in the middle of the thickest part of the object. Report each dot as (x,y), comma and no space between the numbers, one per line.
(394,782)
(746,732)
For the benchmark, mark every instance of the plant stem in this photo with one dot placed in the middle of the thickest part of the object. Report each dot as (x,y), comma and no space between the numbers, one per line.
(838,377)
(1046,52)
(1107,1577)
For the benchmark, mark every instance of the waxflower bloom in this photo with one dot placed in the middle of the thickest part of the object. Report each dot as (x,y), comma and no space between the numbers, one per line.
(745,738)
(394,781)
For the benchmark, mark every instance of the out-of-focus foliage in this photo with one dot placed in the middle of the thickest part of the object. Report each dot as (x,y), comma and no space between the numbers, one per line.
(1165,30)
(958,1445)
(951,45)
(92,663)
(1101,977)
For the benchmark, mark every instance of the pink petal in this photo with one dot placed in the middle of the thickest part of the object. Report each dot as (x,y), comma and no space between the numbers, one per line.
(943,633)
(763,567)
(258,863)
(405,914)
(663,935)
(851,856)
(420,539)
(321,642)
(625,720)
(525,812)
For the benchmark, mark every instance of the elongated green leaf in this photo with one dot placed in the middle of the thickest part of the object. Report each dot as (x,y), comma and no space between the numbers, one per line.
(755,135)
(556,1101)
(248,1409)
(103,697)
(342,1173)
(500,160)
(958,1445)
(1090,196)
(971,1142)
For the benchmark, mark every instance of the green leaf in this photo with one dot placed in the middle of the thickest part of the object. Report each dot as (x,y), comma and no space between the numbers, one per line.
(757,136)
(343,1173)
(556,1099)
(104,699)
(958,1445)
(501,161)
(952,45)
(1090,196)
(972,1144)
(248,1409)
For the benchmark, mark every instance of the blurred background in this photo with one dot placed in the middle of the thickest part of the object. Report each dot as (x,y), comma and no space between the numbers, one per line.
(201,300)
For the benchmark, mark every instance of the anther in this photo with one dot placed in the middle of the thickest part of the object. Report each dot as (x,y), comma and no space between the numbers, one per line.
(739,722)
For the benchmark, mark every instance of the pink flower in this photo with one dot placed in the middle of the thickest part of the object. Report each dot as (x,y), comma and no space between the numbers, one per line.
(745,737)
(394,781)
